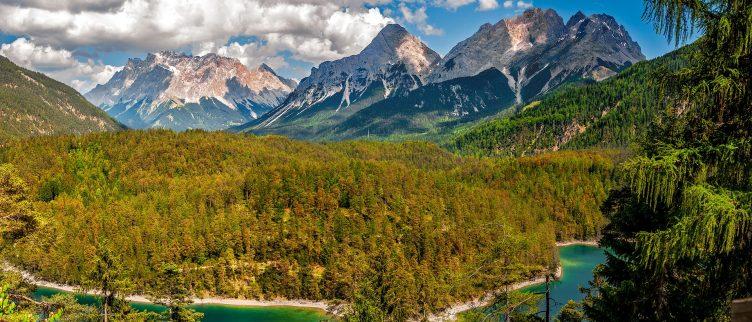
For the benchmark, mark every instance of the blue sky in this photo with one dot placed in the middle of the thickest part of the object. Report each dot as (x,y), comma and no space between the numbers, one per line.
(463,22)
(83,45)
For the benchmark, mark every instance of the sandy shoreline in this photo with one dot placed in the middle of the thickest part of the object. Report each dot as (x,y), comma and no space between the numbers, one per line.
(318,305)
(451,313)
(593,243)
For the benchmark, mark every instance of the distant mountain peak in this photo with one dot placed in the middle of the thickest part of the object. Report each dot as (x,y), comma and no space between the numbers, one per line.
(265,67)
(577,18)
(225,92)
(393,31)
(395,43)
(394,62)
(537,51)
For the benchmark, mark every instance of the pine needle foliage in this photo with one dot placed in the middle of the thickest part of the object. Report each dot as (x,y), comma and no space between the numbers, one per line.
(682,223)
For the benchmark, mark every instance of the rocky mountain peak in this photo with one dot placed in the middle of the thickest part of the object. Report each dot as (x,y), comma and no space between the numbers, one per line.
(392,33)
(394,62)
(576,19)
(395,44)
(146,90)
(536,51)
(265,68)
(498,45)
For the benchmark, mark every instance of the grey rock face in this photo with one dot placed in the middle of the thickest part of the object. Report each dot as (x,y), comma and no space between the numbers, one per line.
(177,91)
(538,52)
(394,62)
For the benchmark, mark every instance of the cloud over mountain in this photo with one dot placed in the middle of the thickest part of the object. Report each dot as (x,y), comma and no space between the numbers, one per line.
(58,63)
(274,32)
(153,25)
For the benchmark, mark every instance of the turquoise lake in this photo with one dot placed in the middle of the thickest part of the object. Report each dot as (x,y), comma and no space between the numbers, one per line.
(578,262)
(213,312)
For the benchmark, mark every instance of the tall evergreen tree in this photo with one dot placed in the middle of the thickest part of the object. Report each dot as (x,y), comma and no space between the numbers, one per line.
(171,292)
(681,228)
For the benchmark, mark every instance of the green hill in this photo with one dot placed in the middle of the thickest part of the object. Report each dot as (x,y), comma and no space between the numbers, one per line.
(33,104)
(607,114)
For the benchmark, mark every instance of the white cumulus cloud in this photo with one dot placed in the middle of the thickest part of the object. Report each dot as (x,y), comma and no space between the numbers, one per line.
(522,5)
(58,63)
(452,4)
(153,25)
(419,18)
(484,5)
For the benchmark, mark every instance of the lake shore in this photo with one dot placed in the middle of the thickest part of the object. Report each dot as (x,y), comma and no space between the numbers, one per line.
(316,305)
(451,313)
(593,243)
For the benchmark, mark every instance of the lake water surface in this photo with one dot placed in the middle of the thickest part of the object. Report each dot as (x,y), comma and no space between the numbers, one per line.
(577,262)
(214,312)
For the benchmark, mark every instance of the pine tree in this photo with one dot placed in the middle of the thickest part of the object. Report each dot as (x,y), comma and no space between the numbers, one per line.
(172,292)
(681,227)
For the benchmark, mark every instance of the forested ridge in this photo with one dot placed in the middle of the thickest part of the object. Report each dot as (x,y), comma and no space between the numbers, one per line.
(608,114)
(398,229)
(34,104)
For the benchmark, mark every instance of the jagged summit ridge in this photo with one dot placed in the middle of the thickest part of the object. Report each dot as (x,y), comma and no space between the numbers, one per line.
(499,45)
(536,51)
(394,62)
(150,92)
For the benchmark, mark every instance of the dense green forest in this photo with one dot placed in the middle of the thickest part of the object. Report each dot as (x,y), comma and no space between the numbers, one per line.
(34,104)
(608,114)
(398,229)
(680,226)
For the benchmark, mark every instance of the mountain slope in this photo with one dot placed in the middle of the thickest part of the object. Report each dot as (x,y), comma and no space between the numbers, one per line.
(537,47)
(537,52)
(611,113)
(500,66)
(394,63)
(177,91)
(34,104)
(427,107)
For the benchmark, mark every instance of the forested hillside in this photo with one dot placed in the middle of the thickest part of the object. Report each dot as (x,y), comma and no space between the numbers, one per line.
(608,114)
(34,104)
(399,230)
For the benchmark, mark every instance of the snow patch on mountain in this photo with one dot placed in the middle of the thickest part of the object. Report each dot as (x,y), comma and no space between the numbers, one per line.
(395,60)
(537,52)
(151,92)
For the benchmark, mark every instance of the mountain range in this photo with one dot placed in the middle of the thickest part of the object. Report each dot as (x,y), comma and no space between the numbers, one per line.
(398,86)
(180,92)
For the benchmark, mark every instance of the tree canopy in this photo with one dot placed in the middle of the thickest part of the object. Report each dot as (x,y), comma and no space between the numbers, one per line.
(681,224)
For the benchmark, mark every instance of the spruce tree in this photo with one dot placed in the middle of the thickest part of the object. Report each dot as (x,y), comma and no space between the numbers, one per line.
(681,228)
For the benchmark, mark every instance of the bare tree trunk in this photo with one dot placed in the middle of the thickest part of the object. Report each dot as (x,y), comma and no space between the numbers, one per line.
(105,303)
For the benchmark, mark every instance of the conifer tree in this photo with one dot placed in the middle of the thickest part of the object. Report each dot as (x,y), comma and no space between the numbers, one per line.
(681,227)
